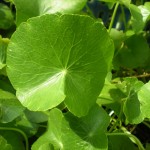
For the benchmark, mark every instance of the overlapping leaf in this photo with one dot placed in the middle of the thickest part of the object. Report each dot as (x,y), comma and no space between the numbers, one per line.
(69,132)
(4,145)
(55,58)
(10,107)
(27,8)
(3,47)
(126,94)
(144,98)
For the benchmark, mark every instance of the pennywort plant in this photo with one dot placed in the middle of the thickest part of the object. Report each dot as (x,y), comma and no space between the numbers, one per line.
(74,74)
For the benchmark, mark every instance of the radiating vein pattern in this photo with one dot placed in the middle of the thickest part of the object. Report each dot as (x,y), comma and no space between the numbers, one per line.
(56,58)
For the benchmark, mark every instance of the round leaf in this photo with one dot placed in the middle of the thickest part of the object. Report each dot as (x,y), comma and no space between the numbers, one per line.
(52,58)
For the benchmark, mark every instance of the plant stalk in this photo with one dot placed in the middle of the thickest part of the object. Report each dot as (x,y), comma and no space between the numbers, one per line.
(113,17)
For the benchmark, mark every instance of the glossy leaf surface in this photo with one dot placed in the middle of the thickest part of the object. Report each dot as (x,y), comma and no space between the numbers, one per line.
(144,98)
(68,60)
(27,8)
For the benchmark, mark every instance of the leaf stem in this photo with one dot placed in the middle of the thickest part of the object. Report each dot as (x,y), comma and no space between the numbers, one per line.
(139,144)
(124,17)
(119,118)
(20,131)
(113,17)
(142,76)
(146,124)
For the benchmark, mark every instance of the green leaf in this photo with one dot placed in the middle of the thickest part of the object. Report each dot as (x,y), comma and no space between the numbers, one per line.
(27,8)
(118,142)
(118,37)
(145,11)
(36,117)
(137,18)
(15,139)
(131,106)
(69,132)
(10,107)
(134,53)
(68,60)
(144,98)
(6,17)
(110,94)
(114,96)
(4,145)
(3,46)
(23,123)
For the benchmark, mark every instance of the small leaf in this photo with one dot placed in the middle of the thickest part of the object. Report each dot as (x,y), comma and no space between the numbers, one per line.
(131,106)
(10,107)
(145,11)
(4,145)
(144,98)
(69,132)
(114,96)
(118,37)
(68,61)
(6,17)
(137,18)
(27,8)
(3,47)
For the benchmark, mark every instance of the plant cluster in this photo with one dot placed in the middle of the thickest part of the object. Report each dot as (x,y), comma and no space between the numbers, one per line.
(74,75)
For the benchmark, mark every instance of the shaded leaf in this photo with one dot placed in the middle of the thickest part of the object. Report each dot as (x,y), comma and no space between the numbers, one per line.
(6,17)
(4,145)
(15,139)
(36,117)
(69,132)
(118,142)
(136,50)
(131,106)
(68,60)
(10,107)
